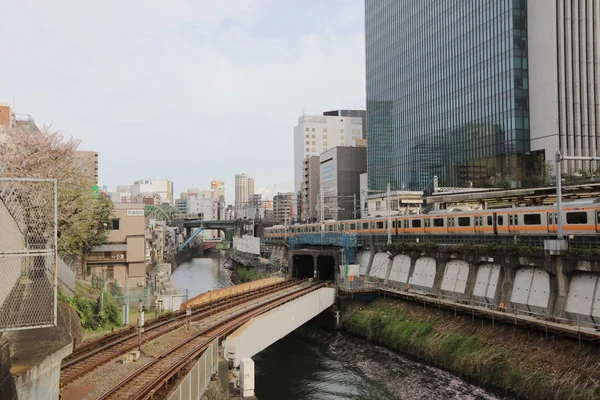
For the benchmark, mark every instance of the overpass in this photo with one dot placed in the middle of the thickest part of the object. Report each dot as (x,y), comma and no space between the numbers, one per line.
(179,352)
(187,224)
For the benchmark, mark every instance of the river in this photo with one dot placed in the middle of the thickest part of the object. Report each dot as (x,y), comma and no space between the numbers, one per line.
(315,364)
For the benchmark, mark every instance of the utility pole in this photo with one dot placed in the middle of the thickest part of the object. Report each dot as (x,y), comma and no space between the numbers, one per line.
(389,218)
(559,195)
(354,203)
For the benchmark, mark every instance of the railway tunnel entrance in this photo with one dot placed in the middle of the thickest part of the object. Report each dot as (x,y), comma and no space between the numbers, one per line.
(303,266)
(311,263)
(325,268)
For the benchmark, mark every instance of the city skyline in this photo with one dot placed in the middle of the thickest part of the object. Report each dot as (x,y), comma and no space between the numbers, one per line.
(174,83)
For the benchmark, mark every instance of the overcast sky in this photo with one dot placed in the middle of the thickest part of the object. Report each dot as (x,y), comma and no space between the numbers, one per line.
(189,91)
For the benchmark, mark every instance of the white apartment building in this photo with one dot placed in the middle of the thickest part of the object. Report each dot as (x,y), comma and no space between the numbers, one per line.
(244,189)
(315,134)
(162,189)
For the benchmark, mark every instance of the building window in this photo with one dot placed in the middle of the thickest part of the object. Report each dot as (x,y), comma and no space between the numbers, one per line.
(324,143)
(313,129)
(307,142)
(341,131)
(307,129)
(324,136)
(307,136)
(313,136)
(377,205)
(313,142)
(324,129)
(307,150)
(314,150)
(115,224)
(341,138)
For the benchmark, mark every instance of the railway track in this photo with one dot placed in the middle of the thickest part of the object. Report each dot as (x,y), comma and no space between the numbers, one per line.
(145,382)
(94,354)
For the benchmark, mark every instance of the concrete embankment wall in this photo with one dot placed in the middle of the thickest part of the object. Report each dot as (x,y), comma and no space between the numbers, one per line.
(186,254)
(197,380)
(528,364)
(548,285)
(229,291)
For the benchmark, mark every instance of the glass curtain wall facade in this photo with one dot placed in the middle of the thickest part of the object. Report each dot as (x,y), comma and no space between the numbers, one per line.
(447,92)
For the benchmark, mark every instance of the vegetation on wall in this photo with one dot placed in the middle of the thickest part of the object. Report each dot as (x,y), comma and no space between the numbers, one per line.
(87,304)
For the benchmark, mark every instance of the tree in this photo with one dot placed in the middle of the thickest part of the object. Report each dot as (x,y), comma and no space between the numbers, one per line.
(83,221)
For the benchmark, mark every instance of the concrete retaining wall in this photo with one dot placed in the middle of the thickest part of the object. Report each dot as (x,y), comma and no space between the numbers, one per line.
(547,285)
(193,385)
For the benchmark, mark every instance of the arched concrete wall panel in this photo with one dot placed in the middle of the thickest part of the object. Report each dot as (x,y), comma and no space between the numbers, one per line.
(487,283)
(400,269)
(494,283)
(521,288)
(580,298)
(531,290)
(363,259)
(456,273)
(380,265)
(424,274)
(539,294)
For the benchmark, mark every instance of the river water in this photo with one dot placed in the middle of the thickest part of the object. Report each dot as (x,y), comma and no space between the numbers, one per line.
(316,364)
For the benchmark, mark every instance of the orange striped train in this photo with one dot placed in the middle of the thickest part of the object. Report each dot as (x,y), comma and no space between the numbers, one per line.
(579,218)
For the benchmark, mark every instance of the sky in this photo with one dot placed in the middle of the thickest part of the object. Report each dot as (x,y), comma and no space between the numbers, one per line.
(190,91)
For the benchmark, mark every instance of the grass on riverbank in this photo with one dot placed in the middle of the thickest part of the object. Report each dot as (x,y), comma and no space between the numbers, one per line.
(243,275)
(499,357)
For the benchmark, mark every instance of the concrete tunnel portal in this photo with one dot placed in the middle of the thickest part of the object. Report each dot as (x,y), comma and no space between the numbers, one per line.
(317,264)
(325,268)
(303,266)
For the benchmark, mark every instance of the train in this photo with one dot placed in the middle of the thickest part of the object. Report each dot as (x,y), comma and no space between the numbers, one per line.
(580,217)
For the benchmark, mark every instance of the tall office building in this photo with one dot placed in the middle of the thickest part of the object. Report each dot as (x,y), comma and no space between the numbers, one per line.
(466,92)
(244,188)
(564,74)
(315,134)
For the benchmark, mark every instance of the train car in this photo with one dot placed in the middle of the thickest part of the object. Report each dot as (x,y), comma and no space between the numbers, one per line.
(580,218)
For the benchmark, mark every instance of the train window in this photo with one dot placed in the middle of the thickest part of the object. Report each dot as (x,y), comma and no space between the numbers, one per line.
(365,225)
(379,224)
(330,228)
(439,222)
(352,227)
(598,216)
(394,224)
(416,223)
(579,217)
(500,220)
(532,219)
(550,218)
(464,221)
(314,228)
(489,220)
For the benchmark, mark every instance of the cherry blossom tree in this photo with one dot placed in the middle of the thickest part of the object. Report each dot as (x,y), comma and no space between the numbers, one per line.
(83,220)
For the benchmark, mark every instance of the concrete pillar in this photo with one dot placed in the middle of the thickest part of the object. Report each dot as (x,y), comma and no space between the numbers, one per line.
(508,282)
(471,280)
(316,270)
(389,270)
(440,267)
(559,286)
(411,271)
(371,256)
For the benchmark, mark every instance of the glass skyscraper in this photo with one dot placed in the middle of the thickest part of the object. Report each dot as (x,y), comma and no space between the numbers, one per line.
(447,92)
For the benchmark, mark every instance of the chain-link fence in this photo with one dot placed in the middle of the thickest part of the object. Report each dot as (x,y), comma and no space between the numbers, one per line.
(28,232)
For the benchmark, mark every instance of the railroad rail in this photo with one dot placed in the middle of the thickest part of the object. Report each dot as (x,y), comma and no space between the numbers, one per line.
(145,382)
(94,354)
